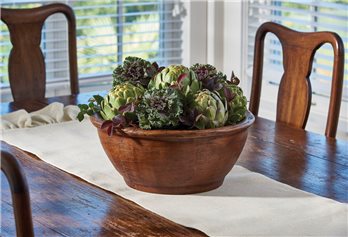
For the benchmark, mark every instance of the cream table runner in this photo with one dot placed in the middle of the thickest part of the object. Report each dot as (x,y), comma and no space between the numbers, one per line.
(247,204)
(52,113)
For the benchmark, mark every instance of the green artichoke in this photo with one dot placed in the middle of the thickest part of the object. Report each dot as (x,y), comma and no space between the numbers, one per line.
(237,105)
(176,75)
(212,110)
(121,95)
(160,109)
(136,71)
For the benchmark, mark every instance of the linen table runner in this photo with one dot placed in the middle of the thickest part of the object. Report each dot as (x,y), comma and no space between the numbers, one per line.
(247,204)
(52,113)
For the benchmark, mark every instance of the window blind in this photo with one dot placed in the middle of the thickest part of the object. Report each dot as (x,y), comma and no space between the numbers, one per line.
(107,32)
(307,16)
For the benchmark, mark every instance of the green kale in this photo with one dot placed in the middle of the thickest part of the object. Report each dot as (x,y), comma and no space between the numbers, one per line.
(210,78)
(160,109)
(136,71)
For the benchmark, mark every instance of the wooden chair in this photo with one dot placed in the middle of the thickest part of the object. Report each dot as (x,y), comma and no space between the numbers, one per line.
(294,95)
(20,193)
(26,62)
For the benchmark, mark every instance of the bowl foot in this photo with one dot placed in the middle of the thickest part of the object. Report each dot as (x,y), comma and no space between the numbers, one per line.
(176,190)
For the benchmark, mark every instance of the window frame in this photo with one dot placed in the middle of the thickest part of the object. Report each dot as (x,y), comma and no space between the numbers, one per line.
(90,83)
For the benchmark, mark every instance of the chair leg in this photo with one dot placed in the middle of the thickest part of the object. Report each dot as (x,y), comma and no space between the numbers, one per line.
(20,193)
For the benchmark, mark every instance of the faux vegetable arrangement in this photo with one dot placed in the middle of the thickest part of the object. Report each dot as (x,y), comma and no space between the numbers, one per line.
(176,97)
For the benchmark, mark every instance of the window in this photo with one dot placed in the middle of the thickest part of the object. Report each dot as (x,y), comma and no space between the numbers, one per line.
(310,16)
(328,15)
(307,16)
(107,32)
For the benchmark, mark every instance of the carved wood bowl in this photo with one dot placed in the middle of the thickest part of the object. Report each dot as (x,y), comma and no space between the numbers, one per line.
(175,161)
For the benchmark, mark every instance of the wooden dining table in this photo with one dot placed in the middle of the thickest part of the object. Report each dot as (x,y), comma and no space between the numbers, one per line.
(65,205)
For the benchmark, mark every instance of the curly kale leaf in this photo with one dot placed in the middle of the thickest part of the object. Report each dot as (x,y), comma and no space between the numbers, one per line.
(210,78)
(135,70)
(160,109)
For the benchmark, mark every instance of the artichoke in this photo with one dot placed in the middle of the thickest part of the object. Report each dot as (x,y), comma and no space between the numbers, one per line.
(210,78)
(237,105)
(160,109)
(176,76)
(136,71)
(121,95)
(212,110)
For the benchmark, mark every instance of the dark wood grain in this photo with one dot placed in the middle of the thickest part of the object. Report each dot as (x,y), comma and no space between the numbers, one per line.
(294,95)
(304,160)
(26,62)
(65,205)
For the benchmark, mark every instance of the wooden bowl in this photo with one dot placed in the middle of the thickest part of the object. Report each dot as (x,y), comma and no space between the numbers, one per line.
(175,161)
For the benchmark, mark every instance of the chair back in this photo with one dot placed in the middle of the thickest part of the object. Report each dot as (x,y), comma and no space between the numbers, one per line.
(19,191)
(26,67)
(294,95)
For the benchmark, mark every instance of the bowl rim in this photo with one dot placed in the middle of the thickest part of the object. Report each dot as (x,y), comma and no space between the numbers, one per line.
(138,132)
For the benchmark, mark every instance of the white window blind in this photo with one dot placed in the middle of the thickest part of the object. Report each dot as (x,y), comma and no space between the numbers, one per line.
(107,32)
(307,16)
